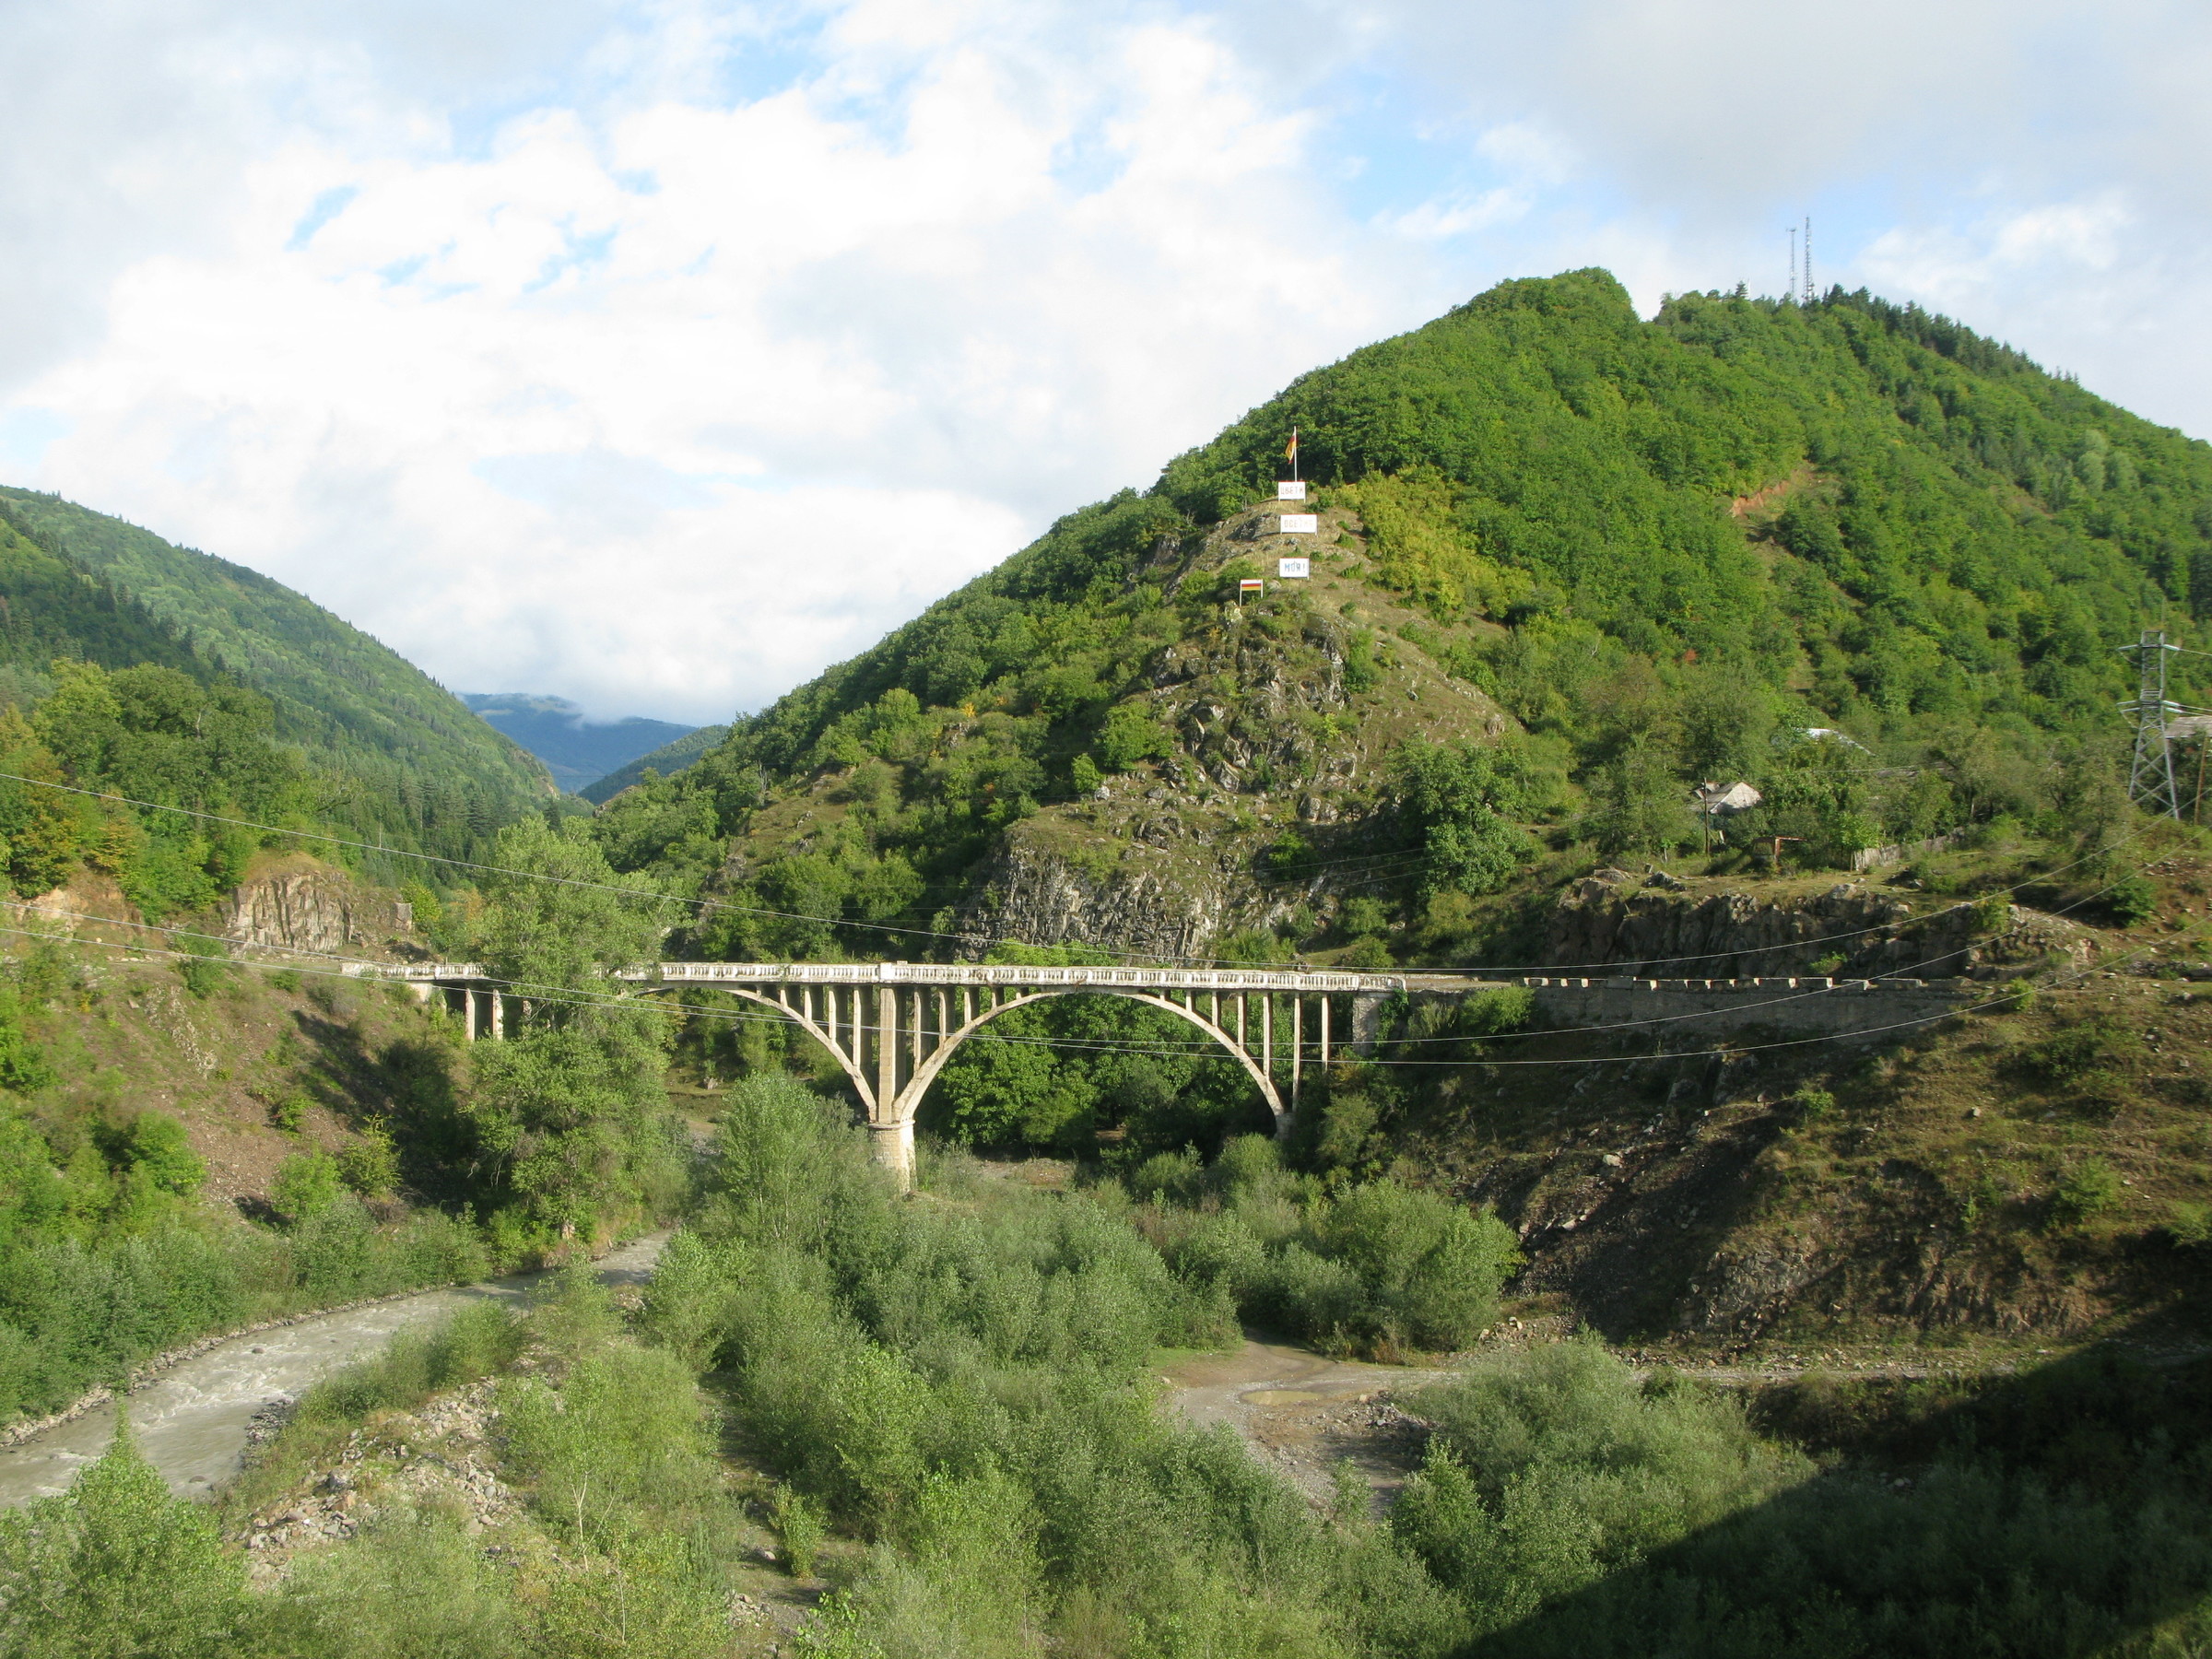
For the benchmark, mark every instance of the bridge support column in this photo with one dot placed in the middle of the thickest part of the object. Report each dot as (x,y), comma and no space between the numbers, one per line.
(1367,1020)
(893,1145)
(887,1048)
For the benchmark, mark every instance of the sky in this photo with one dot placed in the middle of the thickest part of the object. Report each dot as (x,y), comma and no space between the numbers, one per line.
(657,356)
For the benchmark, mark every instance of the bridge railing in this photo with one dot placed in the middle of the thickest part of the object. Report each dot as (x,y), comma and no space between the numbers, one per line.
(998,973)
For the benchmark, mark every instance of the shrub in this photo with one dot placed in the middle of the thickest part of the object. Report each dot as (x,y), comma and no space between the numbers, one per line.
(800,1526)
(203,976)
(2132,899)
(1368,956)
(1813,1103)
(2074,1052)
(2089,1189)
(116,1565)
(1133,734)
(626,1431)
(1993,913)
(2190,1225)
(1551,1466)
(370,1162)
(156,1143)
(1428,1269)
(307,1183)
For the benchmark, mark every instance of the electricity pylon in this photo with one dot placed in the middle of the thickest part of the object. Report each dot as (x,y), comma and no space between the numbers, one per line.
(2150,778)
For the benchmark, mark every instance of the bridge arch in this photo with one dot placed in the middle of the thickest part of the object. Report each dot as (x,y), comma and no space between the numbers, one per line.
(926,1073)
(857,1036)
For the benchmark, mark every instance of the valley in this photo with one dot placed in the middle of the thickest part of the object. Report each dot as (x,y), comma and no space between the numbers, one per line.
(1509,1203)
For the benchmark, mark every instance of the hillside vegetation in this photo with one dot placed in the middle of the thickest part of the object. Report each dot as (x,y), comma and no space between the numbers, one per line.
(1615,556)
(397,758)
(938,1417)
(1570,563)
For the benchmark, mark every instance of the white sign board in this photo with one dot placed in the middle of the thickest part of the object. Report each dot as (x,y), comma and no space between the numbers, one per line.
(1301,524)
(1290,567)
(1290,492)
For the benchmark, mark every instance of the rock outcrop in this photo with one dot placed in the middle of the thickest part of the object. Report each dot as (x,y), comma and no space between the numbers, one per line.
(300,903)
(1659,929)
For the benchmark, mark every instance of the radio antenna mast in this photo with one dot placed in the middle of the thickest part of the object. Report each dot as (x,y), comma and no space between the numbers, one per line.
(1808,259)
(2150,777)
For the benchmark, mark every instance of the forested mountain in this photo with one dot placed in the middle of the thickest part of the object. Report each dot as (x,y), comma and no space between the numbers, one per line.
(396,757)
(1570,561)
(671,757)
(577,751)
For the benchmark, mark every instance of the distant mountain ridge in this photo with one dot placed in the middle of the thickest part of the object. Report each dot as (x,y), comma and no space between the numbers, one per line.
(665,761)
(412,766)
(578,752)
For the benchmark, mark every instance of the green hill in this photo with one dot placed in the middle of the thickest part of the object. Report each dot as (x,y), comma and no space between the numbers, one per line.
(1614,556)
(398,756)
(671,757)
(1568,564)
(578,752)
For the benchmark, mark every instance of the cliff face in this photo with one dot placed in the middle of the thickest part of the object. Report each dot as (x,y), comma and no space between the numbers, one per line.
(1668,928)
(300,903)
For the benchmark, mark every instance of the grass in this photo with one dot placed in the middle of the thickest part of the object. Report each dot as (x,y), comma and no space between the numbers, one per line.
(468,1346)
(2011,1176)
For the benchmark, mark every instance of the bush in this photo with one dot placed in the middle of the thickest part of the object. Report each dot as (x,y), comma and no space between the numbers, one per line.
(626,1432)
(2190,1226)
(1813,1103)
(2075,1053)
(156,1143)
(116,1565)
(799,1524)
(370,1162)
(306,1184)
(2132,899)
(2089,1189)
(1552,1466)
(1131,734)
(204,976)
(1428,1269)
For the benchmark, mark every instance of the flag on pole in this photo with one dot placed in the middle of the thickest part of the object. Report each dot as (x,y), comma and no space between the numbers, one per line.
(1290,449)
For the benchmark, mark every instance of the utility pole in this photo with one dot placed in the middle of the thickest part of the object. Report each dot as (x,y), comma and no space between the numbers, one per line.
(2150,777)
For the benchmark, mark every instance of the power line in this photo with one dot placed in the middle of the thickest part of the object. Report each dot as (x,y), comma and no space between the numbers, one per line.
(644,892)
(2150,772)
(1155,1051)
(1156,1048)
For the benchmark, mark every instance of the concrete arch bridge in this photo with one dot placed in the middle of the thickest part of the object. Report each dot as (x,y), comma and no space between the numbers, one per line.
(893,1026)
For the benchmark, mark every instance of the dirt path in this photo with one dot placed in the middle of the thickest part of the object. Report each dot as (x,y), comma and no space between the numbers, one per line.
(190,1420)
(1303,1413)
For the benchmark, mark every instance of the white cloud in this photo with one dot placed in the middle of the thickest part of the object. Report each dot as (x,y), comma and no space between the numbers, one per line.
(656,354)
(664,406)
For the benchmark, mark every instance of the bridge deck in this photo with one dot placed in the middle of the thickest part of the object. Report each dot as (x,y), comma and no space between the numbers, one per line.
(954,974)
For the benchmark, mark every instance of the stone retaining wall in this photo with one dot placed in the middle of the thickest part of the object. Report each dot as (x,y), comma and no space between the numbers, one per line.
(1827,1007)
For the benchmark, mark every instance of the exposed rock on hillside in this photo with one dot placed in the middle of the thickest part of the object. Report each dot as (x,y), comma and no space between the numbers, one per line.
(1609,919)
(300,904)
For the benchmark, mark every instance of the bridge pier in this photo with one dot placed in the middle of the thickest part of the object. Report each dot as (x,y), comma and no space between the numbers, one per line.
(892,1044)
(893,1145)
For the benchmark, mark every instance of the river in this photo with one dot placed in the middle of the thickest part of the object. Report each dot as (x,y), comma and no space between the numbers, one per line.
(191,1421)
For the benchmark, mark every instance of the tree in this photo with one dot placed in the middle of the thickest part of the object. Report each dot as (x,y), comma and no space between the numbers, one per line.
(570,1117)
(1643,806)
(1457,799)
(117,1567)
